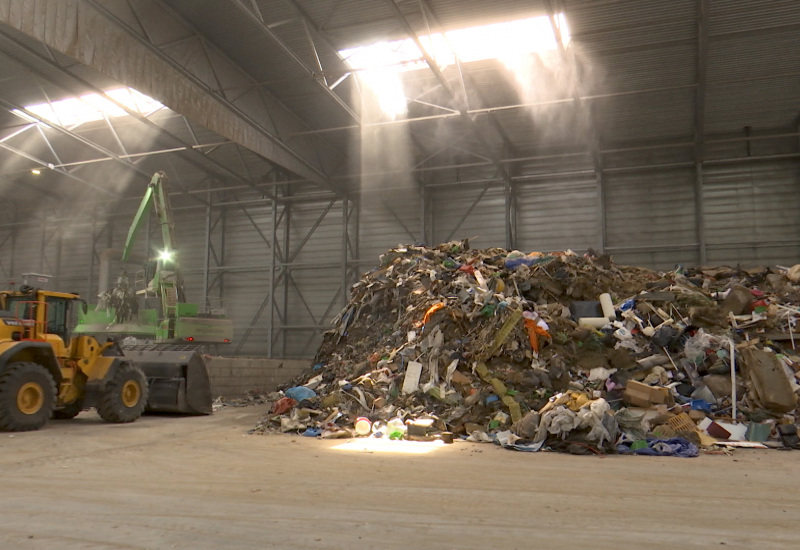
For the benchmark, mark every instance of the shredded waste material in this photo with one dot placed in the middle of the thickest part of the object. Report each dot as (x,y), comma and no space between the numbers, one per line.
(554,351)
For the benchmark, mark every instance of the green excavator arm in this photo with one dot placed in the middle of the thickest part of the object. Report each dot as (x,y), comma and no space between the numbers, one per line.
(155,197)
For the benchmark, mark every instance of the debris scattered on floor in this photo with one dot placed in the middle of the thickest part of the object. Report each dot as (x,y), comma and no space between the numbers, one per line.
(555,351)
(253,397)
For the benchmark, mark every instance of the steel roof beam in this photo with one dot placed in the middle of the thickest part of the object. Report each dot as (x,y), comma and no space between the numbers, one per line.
(259,22)
(192,150)
(89,32)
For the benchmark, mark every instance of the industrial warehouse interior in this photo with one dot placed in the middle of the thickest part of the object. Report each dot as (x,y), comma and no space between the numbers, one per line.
(399,273)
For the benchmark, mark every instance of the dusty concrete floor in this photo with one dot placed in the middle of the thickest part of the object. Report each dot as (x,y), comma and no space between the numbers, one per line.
(202,483)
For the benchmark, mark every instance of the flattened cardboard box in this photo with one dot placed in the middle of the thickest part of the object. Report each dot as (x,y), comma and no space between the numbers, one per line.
(642,395)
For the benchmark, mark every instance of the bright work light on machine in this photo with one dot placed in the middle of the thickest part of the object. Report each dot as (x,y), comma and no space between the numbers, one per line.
(165,256)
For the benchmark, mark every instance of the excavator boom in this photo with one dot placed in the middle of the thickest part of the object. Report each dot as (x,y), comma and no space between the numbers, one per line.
(167,340)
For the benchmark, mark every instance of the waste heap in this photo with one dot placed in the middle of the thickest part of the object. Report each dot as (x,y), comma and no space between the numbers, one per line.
(564,351)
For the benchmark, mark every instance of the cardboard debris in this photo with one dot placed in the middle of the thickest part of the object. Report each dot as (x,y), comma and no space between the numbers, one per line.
(481,339)
(642,395)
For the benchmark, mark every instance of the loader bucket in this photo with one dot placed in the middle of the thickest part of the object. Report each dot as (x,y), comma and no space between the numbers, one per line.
(176,375)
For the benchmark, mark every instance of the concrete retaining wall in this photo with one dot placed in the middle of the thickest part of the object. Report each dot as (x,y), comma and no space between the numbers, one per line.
(235,376)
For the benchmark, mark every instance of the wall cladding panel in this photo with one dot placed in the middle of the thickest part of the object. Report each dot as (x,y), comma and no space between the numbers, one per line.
(652,212)
(7,253)
(482,222)
(247,304)
(29,250)
(559,215)
(386,222)
(75,258)
(751,212)
(244,232)
(314,290)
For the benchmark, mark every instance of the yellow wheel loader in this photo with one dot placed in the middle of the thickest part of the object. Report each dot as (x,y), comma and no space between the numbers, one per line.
(47,371)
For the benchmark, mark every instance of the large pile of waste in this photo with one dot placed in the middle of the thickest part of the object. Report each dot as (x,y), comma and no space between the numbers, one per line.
(564,351)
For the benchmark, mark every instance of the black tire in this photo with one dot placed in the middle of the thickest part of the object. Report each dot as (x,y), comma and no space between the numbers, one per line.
(27,397)
(69,411)
(125,395)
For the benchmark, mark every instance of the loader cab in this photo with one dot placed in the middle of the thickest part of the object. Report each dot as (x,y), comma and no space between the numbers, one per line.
(58,322)
(60,314)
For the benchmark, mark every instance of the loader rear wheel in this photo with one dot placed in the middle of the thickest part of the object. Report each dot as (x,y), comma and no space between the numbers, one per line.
(125,395)
(27,397)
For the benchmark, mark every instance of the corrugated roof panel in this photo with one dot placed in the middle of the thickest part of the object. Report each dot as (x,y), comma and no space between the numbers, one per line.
(601,26)
(262,56)
(747,57)
(641,69)
(355,22)
(734,16)
(459,14)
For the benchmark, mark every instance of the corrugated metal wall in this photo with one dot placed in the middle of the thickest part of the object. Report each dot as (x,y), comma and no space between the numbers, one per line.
(7,250)
(238,268)
(751,212)
(312,287)
(386,222)
(650,217)
(29,257)
(559,214)
(475,213)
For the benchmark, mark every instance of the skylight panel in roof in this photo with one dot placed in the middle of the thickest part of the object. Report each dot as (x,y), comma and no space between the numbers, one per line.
(379,64)
(74,111)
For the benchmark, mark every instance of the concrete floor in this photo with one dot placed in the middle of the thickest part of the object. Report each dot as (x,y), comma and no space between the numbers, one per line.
(203,483)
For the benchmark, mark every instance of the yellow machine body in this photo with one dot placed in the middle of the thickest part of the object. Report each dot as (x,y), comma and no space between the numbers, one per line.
(37,342)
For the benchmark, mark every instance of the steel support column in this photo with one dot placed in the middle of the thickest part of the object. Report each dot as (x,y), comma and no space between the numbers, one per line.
(699,124)
(207,252)
(345,256)
(602,187)
(273,264)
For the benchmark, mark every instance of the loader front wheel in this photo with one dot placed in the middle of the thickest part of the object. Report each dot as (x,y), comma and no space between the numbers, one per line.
(27,397)
(125,395)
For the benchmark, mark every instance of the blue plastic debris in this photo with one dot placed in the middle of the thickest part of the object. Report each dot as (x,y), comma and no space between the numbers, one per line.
(701,405)
(676,446)
(300,393)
